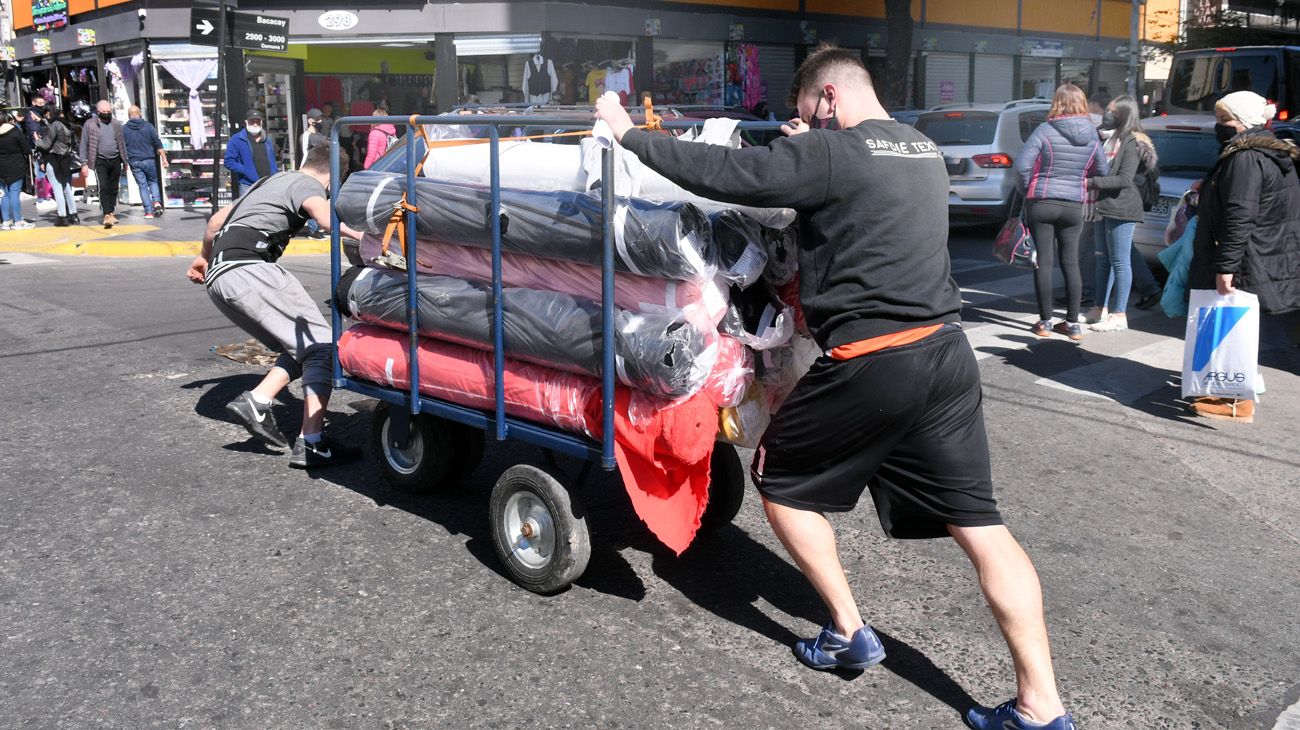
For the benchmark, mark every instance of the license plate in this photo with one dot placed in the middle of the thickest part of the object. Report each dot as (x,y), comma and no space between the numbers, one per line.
(1161,208)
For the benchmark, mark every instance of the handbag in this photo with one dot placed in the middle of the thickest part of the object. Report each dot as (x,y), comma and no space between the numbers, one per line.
(1015,244)
(1221,349)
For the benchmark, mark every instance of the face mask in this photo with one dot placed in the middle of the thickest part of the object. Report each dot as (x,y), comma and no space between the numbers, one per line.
(830,123)
(1224,132)
(254,129)
(106,117)
(1108,120)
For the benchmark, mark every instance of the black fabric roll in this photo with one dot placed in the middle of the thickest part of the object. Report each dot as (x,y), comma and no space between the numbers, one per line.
(670,240)
(656,354)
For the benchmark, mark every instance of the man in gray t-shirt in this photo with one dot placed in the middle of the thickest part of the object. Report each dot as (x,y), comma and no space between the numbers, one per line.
(238,265)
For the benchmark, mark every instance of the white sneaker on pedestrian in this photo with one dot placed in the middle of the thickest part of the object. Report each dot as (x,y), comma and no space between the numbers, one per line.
(1094,315)
(23,225)
(1112,323)
(7,226)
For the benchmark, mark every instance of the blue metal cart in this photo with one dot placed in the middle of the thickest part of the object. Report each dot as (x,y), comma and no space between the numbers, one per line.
(538,524)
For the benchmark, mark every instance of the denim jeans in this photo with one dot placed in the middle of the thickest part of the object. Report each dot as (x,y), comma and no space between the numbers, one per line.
(1114,244)
(1144,282)
(63,193)
(146,177)
(11,206)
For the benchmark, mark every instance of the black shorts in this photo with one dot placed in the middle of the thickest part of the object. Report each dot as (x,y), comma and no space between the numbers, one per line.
(907,422)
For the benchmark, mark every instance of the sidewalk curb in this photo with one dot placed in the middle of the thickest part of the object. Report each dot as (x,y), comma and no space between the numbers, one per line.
(145,249)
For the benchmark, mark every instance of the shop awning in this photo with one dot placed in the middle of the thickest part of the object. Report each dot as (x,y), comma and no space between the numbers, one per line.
(498,45)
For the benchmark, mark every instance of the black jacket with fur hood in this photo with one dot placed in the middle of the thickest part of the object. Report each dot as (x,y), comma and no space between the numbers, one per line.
(1117,194)
(1250,221)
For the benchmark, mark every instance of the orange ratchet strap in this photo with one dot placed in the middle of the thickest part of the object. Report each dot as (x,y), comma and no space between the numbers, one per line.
(653,122)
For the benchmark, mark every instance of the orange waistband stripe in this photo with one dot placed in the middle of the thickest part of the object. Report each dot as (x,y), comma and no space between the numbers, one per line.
(883,342)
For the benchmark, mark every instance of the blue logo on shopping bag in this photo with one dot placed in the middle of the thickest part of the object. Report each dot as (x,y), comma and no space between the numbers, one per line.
(1212,327)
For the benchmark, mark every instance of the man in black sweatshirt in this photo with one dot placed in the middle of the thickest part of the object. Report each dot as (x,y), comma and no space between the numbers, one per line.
(894,404)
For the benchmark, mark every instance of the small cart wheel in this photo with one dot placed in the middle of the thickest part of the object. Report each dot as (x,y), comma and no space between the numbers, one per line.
(469,443)
(537,530)
(726,488)
(422,466)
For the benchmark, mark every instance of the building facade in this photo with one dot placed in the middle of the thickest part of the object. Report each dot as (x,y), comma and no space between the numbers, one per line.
(423,56)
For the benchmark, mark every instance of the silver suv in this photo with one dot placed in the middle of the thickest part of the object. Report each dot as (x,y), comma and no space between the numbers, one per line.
(980,143)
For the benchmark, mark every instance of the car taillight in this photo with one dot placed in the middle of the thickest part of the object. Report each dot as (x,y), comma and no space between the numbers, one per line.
(997,159)
(1282,115)
(954,115)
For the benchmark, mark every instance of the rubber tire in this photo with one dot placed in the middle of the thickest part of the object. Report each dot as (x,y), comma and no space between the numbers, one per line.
(726,488)
(572,539)
(429,474)
(469,445)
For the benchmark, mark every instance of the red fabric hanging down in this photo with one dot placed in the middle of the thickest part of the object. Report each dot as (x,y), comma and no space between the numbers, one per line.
(663,450)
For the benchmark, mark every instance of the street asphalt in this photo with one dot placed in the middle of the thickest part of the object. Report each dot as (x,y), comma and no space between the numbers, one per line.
(160,569)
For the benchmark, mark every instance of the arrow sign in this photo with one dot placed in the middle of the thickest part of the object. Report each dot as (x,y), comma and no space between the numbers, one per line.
(203,21)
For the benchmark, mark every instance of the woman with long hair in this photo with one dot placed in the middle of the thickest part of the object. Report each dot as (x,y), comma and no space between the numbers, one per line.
(1054,166)
(57,145)
(1118,211)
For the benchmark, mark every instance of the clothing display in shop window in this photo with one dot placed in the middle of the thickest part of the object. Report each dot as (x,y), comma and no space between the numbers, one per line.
(744,81)
(595,84)
(540,80)
(618,79)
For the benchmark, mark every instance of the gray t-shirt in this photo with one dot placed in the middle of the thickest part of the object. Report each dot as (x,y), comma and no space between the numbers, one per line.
(273,209)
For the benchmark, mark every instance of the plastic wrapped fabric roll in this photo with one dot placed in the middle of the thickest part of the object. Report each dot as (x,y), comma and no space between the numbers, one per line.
(757,317)
(670,240)
(744,423)
(655,353)
(741,245)
(732,373)
(663,450)
(524,165)
(782,246)
(701,302)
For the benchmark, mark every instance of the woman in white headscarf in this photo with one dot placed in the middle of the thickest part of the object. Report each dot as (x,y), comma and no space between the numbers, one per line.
(1248,236)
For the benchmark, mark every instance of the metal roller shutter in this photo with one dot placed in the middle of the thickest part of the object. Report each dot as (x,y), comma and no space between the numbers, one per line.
(947,78)
(994,79)
(776,63)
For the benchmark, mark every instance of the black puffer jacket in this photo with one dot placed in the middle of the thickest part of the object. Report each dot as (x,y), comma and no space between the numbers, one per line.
(1250,221)
(1117,195)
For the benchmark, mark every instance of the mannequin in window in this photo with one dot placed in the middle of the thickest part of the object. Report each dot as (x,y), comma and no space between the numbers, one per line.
(540,80)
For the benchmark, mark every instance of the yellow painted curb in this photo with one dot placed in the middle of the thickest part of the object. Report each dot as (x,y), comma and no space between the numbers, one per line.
(89,244)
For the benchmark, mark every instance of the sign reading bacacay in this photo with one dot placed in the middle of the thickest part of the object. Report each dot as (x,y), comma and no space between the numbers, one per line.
(338,20)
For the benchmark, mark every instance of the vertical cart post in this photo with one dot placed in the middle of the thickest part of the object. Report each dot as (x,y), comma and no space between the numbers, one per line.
(498,334)
(607,307)
(336,319)
(412,300)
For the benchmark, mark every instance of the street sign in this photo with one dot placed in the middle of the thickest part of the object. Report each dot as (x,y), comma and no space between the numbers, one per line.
(203,26)
(258,32)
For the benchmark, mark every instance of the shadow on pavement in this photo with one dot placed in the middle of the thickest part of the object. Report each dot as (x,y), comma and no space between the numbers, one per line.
(728,572)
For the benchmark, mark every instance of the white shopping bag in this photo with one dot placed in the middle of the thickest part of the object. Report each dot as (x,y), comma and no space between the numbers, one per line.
(1221,350)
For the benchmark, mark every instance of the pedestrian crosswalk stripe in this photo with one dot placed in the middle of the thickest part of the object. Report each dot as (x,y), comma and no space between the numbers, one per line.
(19,259)
(1123,378)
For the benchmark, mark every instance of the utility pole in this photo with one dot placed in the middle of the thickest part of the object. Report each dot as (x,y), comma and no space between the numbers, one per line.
(221,97)
(1133,50)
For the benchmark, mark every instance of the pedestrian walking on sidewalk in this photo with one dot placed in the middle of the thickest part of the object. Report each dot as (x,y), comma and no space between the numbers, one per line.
(103,146)
(250,155)
(15,159)
(1054,165)
(895,402)
(381,137)
(57,146)
(145,153)
(238,266)
(1129,151)
(1248,236)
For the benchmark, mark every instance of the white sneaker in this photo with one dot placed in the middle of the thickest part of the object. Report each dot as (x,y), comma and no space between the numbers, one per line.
(1113,323)
(6,226)
(23,225)
(1093,316)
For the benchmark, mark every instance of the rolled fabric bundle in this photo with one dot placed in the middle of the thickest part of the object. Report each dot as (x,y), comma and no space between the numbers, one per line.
(670,240)
(524,165)
(655,353)
(732,373)
(651,437)
(742,247)
(701,302)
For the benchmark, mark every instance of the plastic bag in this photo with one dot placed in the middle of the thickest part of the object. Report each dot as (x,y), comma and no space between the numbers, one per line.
(758,318)
(745,423)
(1221,349)
(742,250)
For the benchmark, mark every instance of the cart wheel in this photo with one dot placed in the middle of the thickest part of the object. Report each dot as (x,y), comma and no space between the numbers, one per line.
(726,488)
(536,529)
(422,466)
(469,444)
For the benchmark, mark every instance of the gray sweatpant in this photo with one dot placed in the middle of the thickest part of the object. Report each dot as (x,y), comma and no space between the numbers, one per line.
(271,304)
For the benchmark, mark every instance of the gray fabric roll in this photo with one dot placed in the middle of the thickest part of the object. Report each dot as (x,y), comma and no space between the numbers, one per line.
(670,240)
(656,354)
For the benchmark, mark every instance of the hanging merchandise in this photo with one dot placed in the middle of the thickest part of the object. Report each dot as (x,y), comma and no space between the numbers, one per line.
(744,85)
(192,72)
(618,79)
(540,80)
(694,81)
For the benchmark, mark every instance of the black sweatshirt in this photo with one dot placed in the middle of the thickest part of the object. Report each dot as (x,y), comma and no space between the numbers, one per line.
(873,212)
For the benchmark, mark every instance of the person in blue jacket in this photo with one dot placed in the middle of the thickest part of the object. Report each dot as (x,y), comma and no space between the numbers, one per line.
(144,149)
(250,155)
